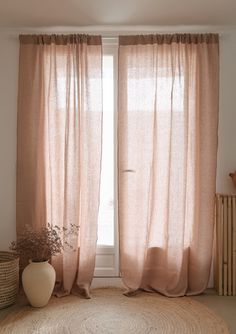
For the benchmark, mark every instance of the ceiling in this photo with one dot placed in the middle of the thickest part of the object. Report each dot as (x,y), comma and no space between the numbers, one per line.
(49,13)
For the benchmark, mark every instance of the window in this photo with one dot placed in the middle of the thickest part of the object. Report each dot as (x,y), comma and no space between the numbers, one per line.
(106,210)
(107,246)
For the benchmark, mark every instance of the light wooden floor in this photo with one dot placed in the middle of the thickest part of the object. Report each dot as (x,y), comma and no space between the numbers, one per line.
(225,307)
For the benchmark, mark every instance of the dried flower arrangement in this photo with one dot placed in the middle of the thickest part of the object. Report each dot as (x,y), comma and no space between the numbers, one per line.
(41,245)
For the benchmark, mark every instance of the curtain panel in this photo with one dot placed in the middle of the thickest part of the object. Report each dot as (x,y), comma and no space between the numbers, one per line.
(167,146)
(59,144)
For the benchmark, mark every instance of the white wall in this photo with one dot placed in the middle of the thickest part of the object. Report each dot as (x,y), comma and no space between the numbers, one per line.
(8,106)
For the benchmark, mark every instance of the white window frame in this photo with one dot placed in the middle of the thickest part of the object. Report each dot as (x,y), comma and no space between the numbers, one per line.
(107,257)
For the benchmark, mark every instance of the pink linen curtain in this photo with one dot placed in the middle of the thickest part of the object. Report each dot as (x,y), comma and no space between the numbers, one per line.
(59,144)
(167,129)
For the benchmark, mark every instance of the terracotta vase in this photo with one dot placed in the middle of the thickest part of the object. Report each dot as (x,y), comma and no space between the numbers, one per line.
(38,280)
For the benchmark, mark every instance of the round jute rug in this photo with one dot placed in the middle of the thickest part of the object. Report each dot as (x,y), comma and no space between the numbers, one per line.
(110,312)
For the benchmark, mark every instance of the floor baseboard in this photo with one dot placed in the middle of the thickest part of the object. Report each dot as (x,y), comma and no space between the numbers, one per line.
(103,282)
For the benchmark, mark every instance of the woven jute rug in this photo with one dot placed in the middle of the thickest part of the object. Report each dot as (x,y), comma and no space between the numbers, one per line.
(110,312)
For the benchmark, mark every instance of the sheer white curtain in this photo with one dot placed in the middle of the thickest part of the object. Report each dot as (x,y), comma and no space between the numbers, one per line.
(167,127)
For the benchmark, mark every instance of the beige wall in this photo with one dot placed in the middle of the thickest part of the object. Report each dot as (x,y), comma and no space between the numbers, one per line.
(226,161)
(8,103)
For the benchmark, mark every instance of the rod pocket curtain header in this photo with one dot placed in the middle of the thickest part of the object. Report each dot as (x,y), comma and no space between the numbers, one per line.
(169,39)
(123,40)
(61,39)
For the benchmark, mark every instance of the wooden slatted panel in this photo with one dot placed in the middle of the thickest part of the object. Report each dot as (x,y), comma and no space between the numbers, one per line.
(225,248)
(226,244)
(234,244)
(219,244)
(229,244)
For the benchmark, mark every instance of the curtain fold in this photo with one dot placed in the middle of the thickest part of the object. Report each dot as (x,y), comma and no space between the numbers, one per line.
(167,146)
(59,145)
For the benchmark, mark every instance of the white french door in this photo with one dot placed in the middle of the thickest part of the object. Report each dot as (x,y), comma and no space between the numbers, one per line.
(107,257)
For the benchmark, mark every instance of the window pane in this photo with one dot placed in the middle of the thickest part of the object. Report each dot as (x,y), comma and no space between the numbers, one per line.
(106,209)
